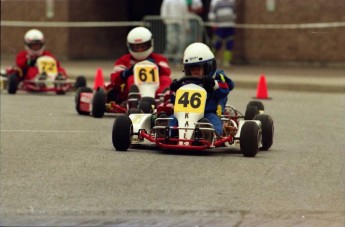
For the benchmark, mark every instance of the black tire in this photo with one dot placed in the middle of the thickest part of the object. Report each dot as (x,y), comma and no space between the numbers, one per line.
(147,104)
(77,99)
(80,82)
(98,103)
(267,128)
(133,88)
(251,112)
(249,139)
(122,133)
(258,104)
(12,83)
(60,92)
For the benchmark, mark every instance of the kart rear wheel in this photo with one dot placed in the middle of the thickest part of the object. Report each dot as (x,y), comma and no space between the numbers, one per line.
(80,82)
(267,128)
(251,111)
(258,104)
(122,133)
(147,104)
(98,103)
(250,138)
(12,84)
(77,99)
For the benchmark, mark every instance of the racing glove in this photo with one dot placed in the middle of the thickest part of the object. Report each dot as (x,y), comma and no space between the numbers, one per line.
(127,73)
(175,84)
(208,83)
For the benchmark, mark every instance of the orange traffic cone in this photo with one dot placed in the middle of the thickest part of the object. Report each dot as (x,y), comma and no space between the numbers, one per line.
(261,92)
(99,80)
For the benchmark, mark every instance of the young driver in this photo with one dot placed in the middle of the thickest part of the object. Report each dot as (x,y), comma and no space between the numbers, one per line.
(199,61)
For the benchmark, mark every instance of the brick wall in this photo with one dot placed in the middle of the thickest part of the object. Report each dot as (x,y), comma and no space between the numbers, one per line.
(67,42)
(12,38)
(306,45)
(251,45)
(102,42)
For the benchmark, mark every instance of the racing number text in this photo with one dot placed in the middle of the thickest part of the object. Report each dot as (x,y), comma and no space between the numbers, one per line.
(147,74)
(47,67)
(190,101)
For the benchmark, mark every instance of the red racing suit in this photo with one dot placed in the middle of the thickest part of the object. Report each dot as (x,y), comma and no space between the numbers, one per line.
(126,61)
(28,70)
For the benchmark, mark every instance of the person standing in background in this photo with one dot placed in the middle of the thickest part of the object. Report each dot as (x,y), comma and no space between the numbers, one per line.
(175,16)
(195,8)
(223,11)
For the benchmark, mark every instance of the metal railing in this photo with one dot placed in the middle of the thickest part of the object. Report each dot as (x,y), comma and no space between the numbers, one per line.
(172,35)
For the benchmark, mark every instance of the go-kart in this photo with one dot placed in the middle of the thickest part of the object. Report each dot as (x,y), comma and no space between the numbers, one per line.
(47,78)
(193,132)
(141,98)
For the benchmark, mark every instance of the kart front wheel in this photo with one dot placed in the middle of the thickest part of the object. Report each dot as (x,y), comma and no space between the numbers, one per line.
(250,138)
(77,99)
(80,82)
(122,133)
(12,84)
(98,103)
(258,104)
(267,128)
(60,92)
(251,112)
(147,104)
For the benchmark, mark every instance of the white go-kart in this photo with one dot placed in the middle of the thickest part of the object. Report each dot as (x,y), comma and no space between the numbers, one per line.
(249,133)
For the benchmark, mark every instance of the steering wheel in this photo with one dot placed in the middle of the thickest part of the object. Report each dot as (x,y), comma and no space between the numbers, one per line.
(187,79)
(192,79)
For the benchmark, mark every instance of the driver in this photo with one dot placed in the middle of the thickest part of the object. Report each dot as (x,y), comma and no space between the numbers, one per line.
(140,47)
(199,61)
(26,59)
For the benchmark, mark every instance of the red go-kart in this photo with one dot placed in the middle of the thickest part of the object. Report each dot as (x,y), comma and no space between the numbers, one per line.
(141,98)
(47,79)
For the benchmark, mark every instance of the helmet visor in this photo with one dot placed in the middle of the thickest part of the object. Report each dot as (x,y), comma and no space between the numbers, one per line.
(200,69)
(140,47)
(196,69)
(35,45)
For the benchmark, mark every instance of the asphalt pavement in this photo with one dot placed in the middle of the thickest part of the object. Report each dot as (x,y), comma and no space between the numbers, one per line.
(294,77)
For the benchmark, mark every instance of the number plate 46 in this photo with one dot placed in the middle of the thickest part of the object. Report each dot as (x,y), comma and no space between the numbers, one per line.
(190,99)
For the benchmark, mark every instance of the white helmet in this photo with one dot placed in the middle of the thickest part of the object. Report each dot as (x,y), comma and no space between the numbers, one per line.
(34,42)
(142,36)
(199,54)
